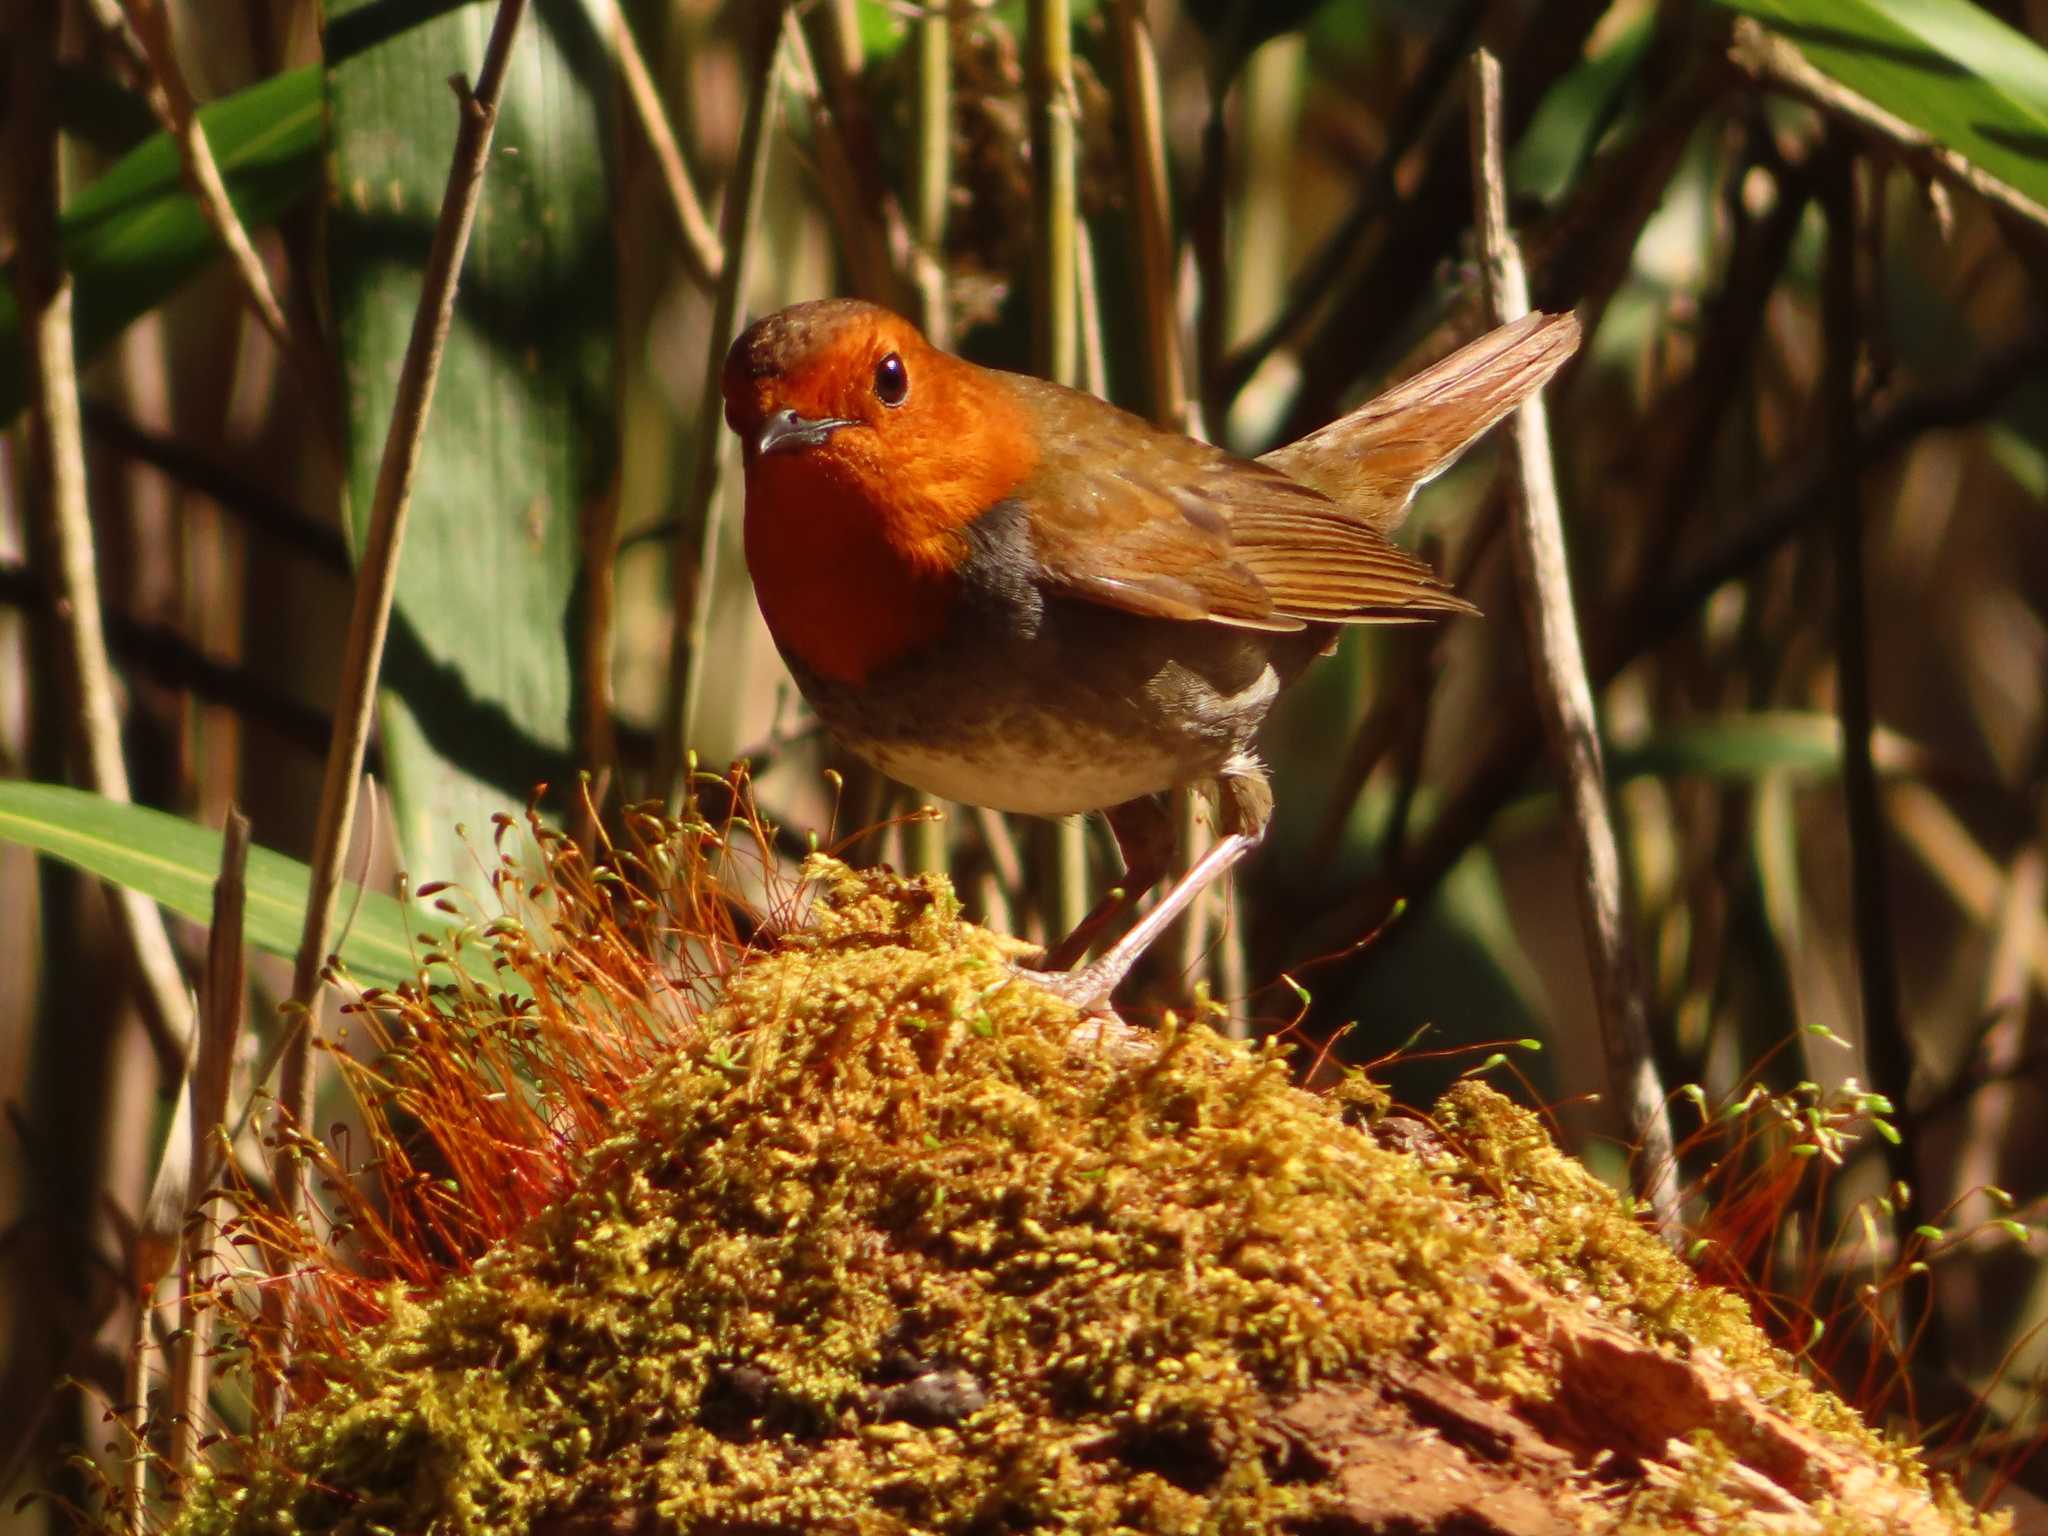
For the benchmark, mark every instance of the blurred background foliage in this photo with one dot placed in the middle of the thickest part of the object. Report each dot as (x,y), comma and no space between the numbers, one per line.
(571,595)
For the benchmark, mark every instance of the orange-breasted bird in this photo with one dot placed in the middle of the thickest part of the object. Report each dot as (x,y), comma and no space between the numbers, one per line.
(1013,594)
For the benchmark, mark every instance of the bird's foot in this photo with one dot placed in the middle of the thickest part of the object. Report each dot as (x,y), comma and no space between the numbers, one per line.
(1088,989)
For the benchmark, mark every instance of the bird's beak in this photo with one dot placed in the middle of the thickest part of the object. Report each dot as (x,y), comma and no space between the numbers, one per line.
(787,432)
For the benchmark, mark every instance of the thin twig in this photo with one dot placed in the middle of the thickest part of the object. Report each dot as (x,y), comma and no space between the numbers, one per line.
(219,1032)
(696,570)
(1957,862)
(1776,63)
(874,240)
(1891,1059)
(170,99)
(702,253)
(1885,1046)
(1652,619)
(1329,264)
(134,1417)
(2016,931)
(63,523)
(1167,398)
(377,581)
(1565,696)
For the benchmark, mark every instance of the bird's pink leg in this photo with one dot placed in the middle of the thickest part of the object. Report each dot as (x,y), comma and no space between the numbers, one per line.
(1144,837)
(1088,989)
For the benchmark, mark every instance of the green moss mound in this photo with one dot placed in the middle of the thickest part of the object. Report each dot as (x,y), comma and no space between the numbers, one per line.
(910,1248)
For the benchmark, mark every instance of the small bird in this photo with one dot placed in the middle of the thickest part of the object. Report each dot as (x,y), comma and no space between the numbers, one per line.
(1013,594)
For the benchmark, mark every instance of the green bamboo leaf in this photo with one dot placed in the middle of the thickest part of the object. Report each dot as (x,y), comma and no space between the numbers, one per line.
(174,862)
(481,688)
(134,236)
(1575,112)
(1948,67)
(1748,746)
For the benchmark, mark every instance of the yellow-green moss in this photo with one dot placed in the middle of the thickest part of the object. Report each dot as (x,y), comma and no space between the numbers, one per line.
(1566,1227)
(895,1160)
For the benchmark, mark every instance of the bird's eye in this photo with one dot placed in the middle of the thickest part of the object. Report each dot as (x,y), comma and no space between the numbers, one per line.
(892,383)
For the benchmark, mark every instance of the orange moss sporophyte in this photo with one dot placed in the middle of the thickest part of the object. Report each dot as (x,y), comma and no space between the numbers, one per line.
(850,1229)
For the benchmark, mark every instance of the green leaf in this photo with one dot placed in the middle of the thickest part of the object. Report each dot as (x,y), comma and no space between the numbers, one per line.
(1575,112)
(481,687)
(134,236)
(882,28)
(1806,745)
(173,862)
(1948,67)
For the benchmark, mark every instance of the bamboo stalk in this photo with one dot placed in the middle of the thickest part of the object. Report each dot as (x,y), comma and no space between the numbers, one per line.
(696,570)
(1565,695)
(934,167)
(702,252)
(931,839)
(874,241)
(62,517)
(1885,1046)
(1055,315)
(220,1030)
(1144,144)
(1049,78)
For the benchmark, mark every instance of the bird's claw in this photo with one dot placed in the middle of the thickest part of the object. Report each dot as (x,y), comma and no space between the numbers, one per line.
(1085,990)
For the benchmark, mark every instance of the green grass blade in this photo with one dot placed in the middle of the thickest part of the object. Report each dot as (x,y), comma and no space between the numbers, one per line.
(173,862)
(1735,748)
(134,236)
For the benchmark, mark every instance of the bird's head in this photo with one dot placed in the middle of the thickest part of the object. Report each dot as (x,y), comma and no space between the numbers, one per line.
(845,402)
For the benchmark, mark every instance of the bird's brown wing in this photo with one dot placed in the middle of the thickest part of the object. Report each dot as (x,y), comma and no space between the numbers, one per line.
(1162,525)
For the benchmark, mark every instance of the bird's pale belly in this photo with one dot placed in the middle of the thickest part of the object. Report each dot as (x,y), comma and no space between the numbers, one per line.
(1036,779)
(1088,712)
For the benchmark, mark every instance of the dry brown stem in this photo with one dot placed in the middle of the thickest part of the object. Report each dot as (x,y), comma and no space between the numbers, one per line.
(702,252)
(62,525)
(146,34)
(1564,695)
(377,578)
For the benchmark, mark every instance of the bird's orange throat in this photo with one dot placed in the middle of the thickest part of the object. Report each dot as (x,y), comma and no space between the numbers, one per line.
(857,544)
(839,593)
